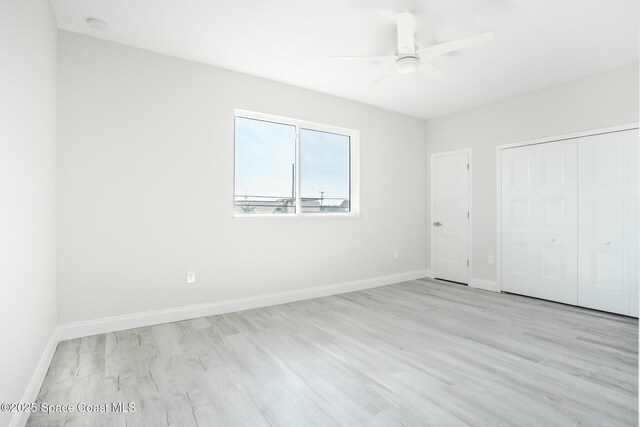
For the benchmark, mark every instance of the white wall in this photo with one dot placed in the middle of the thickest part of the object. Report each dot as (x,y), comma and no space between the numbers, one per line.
(145,181)
(598,101)
(27,191)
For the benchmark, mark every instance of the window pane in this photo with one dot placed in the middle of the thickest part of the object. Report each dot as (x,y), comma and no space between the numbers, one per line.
(264,176)
(324,171)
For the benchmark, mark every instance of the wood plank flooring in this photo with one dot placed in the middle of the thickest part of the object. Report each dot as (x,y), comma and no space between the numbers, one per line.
(412,354)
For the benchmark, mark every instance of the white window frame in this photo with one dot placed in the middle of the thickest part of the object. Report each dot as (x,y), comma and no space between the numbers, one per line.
(354,166)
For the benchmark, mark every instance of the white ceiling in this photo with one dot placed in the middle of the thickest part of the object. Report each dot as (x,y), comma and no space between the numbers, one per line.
(537,43)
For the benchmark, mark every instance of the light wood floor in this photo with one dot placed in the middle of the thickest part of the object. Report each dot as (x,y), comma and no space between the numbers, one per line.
(414,354)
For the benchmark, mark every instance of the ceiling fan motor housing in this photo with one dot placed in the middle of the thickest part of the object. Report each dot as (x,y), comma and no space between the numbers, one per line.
(407,64)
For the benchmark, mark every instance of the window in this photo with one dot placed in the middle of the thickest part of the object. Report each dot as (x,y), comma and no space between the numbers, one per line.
(285,166)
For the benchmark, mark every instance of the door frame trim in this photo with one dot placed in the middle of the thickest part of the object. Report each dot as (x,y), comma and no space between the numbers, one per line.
(431,208)
(545,140)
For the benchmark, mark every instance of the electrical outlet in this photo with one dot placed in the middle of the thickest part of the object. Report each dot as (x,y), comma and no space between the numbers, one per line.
(491,259)
(191,277)
(395,254)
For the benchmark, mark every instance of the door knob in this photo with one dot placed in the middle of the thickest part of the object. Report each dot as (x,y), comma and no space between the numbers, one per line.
(437,224)
(607,243)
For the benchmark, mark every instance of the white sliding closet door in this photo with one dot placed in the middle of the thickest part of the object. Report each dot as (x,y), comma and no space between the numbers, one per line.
(539,230)
(608,222)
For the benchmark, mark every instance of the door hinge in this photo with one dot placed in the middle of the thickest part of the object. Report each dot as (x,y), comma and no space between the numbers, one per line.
(467,263)
(467,214)
(467,166)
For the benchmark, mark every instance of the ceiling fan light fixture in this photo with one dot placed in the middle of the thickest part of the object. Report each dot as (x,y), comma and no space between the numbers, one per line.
(407,65)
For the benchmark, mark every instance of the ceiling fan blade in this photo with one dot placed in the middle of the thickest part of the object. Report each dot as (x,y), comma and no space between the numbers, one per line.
(434,70)
(375,82)
(363,58)
(464,42)
(406,27)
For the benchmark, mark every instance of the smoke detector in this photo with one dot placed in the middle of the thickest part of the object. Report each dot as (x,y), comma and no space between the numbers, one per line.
(97,24)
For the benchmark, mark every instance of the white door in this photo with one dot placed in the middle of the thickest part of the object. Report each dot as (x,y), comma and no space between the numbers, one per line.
(450,221)
(608,222)
(539,230)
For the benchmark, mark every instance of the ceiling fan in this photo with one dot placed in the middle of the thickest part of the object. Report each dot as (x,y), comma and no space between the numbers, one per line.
(409,57)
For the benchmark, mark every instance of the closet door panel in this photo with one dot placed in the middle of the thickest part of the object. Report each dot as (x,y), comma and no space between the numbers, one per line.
(518,220)
(539,206)
(556,197)
(608,222)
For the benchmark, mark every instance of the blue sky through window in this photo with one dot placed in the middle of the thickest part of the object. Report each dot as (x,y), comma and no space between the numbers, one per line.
(265,153)
(324,164)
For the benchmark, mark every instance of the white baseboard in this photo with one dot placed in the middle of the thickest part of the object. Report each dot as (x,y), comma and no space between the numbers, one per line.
(19,419)
(118,323)
(487,285)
